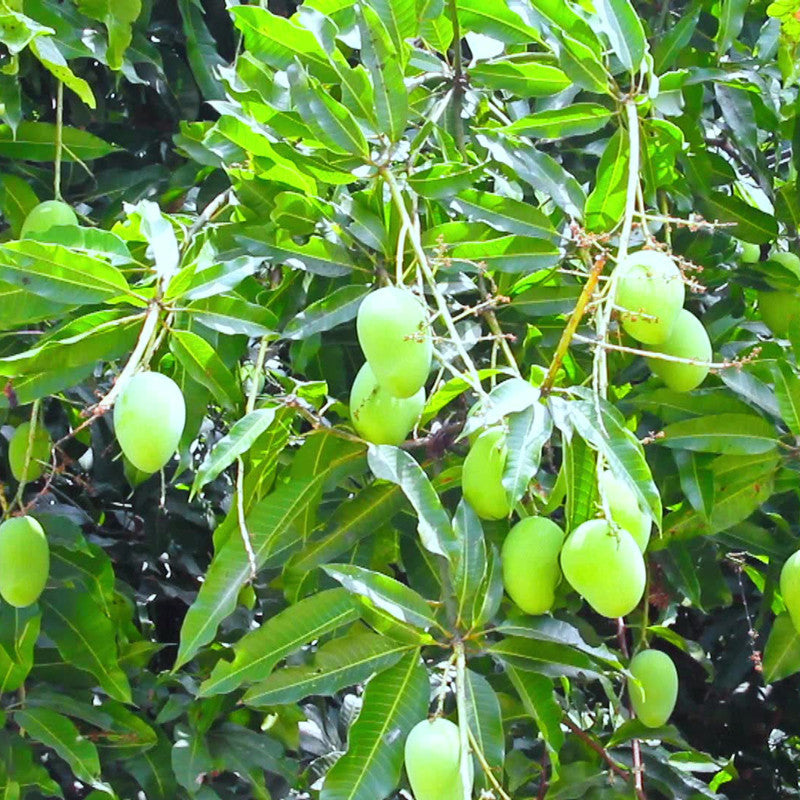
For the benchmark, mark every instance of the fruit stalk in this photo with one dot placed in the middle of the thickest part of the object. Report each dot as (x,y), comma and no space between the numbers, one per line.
(486,767)
(422,259)
(463,719)
(17,501)
(134,362)
(635,351)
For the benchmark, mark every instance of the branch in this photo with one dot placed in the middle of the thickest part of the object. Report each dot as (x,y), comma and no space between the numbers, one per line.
(616,768)
(458,76)
(465,767)
(486,767)
(572,325)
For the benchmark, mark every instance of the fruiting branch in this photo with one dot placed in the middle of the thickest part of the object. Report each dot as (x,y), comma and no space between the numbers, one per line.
(422,260)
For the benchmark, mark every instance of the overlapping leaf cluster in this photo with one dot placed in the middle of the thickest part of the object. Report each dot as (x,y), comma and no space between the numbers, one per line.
(244,177)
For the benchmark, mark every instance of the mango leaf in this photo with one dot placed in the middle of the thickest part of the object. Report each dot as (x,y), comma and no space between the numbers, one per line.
(750,224)
(551,659)
(782,651)
(505,214)
(334,309)
(495,18)
(394,702)
(342,662)
(624,30)
(257,653)
(434,526)
(201,50)
(528,431)
(191,758)
(469,563)
(381,591)
(733,434)
(85,637)
(330,121)
(52,59)
(318,256)
(17,200)
(353,521)
(731,20)
(19,630)
(787,394)
(485,719)
(201,361)
(57,732)
(578,119)
(117,16)
(697,481)
(271,522)
(380,57)
(539,699)
(522,78)
(606,203)
(580,473)
(56,273)
(243,433)
(232,315)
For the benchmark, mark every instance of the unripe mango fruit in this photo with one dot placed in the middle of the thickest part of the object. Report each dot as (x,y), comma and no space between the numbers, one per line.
(149,416)
(625,510)
(24,561)
(482,475)
(649,293)
(530,563)
(605,567)
(393,332)
(49,214)
(790,588)
(18,446)
(653,698)
(432,756)
(780,308)
(687,340)
(380,417)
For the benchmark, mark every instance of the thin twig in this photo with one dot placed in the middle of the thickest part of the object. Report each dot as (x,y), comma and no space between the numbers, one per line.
(616,768)
(458,77)
(486,767)
(26,462)
(465,766)
(59,141)
(240,513)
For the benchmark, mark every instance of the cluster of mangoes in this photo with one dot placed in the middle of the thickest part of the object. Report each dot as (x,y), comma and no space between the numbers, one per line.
(648,293)
(388,394)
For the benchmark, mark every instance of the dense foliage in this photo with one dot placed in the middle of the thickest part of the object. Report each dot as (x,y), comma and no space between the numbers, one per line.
(272,613)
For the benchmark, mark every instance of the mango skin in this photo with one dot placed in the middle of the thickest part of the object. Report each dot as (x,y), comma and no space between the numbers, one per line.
(49,214)
(530,563)
(18,446)
(432,755)
(653,699)
(650,293)
(24,561)
(687,340)
(380,417)
(790,587)
(482,475)
(780,308)
(393,332)
(607,569)
(149,416)
(625,510)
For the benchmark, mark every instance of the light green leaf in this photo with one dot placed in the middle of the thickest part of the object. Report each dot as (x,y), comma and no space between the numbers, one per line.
(434,526)
(521,78)
(342,662)
(782,651)
(56,273)
(51,58)
(624,30)
(334,309)
(381,59)
(606,203)
(732,434)
(201,361)
(394,702)
(578,119)
(35,141)
(383,592)
(117,16)
(787,394)
(239,439)
(257,653)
